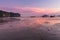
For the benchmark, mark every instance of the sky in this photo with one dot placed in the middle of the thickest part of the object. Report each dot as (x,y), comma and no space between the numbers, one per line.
(31,7)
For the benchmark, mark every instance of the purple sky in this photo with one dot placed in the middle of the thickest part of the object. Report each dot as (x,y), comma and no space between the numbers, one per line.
(30,7)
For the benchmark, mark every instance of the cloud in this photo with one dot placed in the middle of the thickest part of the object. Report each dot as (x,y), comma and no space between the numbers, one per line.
(30,10)
(36,10)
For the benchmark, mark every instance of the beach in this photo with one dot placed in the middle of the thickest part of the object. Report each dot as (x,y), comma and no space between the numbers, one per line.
(30,29)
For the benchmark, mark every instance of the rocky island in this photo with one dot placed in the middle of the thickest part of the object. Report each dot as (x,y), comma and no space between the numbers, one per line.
(9,14)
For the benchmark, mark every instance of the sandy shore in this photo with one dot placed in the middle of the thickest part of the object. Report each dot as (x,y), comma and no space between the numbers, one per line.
(41,32)
(28,29)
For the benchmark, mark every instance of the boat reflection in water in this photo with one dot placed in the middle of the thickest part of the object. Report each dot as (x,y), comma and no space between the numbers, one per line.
(29,29)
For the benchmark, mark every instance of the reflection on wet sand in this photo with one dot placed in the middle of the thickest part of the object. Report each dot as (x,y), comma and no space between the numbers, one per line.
(30,29)
(6,20)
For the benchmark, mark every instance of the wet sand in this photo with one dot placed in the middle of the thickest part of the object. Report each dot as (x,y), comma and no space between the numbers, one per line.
(29,29)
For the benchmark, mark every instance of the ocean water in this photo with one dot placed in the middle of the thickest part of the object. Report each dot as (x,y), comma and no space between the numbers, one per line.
(29,28)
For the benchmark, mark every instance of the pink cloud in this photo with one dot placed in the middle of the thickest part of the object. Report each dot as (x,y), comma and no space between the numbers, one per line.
(30,10)
(36,10)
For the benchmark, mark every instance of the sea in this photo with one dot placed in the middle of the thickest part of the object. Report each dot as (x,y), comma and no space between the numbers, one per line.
(27,28)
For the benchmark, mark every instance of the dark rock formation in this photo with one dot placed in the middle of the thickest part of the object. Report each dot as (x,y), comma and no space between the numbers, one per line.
(11,14)
(8,14)
(52,16)
(45,16)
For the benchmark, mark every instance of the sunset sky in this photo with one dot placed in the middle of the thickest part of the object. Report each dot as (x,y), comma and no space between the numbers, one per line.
(31,7)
